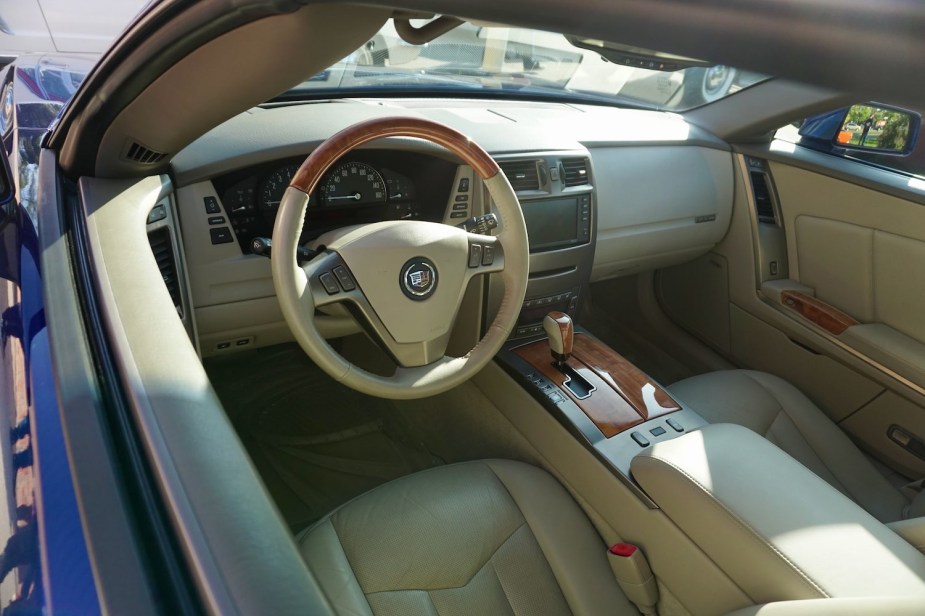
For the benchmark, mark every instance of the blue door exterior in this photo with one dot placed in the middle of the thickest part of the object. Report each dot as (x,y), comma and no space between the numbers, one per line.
(44,566)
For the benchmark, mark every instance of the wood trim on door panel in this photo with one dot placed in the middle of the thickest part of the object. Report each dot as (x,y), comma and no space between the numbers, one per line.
(818,312)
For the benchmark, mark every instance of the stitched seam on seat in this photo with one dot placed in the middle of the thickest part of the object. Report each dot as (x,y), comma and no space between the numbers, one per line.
(782,409)
(535,538)
(743,524)
(467,582)
(353,575)
(501,584)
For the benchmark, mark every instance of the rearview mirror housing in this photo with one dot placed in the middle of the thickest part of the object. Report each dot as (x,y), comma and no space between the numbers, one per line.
(636,57)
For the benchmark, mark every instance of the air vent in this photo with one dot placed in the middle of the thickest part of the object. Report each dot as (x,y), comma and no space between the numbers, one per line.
(143,155)
(521,174)
(574,171)
(162,248)
(764,201)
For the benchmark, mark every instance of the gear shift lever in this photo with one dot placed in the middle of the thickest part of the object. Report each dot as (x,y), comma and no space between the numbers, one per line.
(558,326)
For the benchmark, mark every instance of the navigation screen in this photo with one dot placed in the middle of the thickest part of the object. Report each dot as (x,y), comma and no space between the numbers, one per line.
(551,222)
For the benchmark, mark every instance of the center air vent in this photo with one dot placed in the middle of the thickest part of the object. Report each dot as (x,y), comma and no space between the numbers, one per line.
(574,171)
(522,174)
(140,154)
(764,201)
(162,248)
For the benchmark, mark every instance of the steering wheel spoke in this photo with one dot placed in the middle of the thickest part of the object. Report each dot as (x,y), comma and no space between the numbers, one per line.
(330,281)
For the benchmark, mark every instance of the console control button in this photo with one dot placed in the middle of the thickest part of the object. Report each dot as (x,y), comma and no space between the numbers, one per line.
(461,198)
(212,206)
(463,185)
(221,235)
(216,220)
(488,255)
(343,277)
(677,427)
(458,215)
(159,212)
(460,207)
(329,284)
(657,431)
(640,439)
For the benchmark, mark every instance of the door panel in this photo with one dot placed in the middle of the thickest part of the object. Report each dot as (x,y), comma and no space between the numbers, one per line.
(838,390)
(851,249)
(836,260)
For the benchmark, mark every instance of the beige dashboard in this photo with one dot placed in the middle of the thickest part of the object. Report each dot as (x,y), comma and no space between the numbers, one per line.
(661,191)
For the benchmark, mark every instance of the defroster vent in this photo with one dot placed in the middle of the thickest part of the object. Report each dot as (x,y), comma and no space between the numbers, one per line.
(522,174)
(140,154)
(575,171)
(162,248)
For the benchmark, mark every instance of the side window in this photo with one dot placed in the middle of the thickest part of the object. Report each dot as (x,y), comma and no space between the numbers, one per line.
(872,133)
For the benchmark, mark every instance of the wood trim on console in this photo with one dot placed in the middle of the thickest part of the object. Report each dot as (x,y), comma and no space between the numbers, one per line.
(321,159)
(825,316)
(624,395)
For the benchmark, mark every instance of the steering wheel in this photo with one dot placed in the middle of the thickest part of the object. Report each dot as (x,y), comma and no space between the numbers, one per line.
(404,279)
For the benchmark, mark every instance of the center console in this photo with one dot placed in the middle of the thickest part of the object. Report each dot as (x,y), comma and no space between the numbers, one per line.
(608,403)
(556,193)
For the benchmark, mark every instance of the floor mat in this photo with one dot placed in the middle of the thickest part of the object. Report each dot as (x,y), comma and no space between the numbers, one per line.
(316,443)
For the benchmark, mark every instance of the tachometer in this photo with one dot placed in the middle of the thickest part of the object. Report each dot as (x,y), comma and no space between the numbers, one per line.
(350,184)
(273,187)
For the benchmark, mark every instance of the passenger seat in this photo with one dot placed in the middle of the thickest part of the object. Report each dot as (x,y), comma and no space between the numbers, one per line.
(781,413)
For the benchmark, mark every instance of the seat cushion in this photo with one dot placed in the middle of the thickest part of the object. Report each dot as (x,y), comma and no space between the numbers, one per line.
(778,411)
(487,537)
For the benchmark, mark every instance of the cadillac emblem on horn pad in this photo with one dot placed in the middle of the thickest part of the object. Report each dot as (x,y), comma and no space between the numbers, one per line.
(418,278)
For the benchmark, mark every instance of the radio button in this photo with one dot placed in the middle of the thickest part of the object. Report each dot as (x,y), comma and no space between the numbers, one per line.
(346,282)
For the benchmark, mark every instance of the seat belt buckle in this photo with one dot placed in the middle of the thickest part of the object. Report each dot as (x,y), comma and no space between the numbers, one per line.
(632,571)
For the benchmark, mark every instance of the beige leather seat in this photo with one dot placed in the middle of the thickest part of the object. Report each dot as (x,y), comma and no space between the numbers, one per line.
(487,537)
(778,411)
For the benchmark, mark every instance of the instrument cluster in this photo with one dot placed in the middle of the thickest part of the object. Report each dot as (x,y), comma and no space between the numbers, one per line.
(365,187)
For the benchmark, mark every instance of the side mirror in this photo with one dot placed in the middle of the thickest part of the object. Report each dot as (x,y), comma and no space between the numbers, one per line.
(872,127)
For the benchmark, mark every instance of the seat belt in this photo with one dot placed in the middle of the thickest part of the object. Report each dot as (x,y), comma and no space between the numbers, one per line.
(632,571)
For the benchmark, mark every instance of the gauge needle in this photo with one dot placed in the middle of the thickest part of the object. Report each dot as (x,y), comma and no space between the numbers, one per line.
(354,197)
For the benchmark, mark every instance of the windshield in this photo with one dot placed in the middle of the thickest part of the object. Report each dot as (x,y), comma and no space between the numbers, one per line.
(516,62)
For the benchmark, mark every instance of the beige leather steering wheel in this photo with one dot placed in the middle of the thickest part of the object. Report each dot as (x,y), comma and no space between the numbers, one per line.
(405,279)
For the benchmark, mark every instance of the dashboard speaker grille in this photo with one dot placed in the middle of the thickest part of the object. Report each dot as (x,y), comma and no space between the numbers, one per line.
(764,201)
(522,174)
(162,248)
(575,171)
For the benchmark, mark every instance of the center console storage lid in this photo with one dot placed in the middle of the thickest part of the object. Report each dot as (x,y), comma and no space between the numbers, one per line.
(776,529)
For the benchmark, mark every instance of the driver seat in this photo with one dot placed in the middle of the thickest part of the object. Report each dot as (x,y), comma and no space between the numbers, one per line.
(485,537)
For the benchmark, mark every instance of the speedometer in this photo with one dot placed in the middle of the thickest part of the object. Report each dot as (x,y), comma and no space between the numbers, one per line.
(352,184)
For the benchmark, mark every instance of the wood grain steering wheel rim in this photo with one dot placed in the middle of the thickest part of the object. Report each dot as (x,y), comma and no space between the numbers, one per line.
(370,261)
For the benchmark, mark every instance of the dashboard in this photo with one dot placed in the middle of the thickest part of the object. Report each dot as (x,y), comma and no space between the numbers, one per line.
(360,188)
(605,192)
